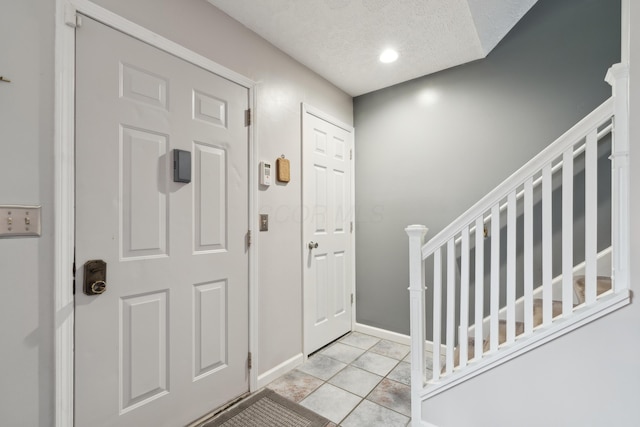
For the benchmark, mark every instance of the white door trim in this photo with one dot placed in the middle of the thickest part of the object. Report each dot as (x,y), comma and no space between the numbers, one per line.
(306,108)
(64,219)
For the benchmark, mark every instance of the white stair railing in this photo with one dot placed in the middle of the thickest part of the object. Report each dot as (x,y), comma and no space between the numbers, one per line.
(504,324)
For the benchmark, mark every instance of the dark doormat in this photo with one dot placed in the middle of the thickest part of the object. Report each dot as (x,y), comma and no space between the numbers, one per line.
(267,409)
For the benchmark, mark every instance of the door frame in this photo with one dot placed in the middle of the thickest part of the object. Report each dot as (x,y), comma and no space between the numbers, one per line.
(66,21)
(308,109)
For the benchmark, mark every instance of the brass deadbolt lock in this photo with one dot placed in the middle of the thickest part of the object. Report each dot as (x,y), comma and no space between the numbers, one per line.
(95,277)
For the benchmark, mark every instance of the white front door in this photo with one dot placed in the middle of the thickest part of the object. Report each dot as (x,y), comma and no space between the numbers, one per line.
(168,340)
(327,149)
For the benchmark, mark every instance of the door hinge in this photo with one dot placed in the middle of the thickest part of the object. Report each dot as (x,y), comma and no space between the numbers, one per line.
(250,361)
(247,117)
(352,299)
(351,154)
(351,228)
(73,289)
(248,238)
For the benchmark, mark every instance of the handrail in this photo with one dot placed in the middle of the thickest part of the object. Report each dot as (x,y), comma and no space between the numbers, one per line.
(580,130)
(579,150)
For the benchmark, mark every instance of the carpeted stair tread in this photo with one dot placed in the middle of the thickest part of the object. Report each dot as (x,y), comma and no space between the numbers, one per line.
(471,343)
(502,333)
(471,351)
(556,310)
(603,284)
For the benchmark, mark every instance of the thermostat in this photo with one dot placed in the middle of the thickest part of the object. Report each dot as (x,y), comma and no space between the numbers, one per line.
(265,173)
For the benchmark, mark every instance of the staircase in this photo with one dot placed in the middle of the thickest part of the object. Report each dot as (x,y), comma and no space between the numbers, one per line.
(603,284)
(529,262)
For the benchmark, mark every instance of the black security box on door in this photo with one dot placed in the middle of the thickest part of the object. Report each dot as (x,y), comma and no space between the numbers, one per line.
(181,166)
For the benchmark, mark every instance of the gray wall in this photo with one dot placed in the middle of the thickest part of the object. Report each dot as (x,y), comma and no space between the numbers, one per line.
(428,149)
(27,167)
(587,378)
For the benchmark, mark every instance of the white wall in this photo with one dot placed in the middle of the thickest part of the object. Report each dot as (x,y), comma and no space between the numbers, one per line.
(588,378)
(26,177)
(26,172)
(283,84)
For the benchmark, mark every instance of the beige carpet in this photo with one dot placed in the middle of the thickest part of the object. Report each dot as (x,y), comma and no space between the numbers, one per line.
(267,409)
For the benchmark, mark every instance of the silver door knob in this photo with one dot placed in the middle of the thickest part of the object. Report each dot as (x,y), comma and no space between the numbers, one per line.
(313,245)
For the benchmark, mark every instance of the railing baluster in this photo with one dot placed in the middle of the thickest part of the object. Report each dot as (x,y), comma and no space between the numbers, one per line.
(528,256)
(479,287)
(437,311)
(495,276)
(451,300)
(417,315)
(567,232)
(464,299)
(591,216)
(511,267)
(451,334)
(547,252)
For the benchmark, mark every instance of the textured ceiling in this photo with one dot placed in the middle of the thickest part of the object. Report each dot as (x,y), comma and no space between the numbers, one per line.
(342,39)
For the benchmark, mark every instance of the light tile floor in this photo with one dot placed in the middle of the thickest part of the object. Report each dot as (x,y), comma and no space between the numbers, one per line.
(359,380)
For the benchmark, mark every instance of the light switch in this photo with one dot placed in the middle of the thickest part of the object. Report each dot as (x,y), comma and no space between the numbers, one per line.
(264,222)
(19,221)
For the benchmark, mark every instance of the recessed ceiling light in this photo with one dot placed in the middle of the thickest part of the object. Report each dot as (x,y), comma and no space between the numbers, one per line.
(388,56)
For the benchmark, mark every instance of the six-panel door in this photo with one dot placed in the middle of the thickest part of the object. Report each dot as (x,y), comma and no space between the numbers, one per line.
(168,340)
(327,215)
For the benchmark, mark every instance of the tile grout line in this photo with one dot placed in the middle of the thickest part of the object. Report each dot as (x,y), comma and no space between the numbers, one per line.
(360,399)
(382,378)
(369,394)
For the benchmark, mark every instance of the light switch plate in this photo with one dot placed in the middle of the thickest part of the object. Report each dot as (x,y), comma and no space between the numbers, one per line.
(264,222)
(18,220)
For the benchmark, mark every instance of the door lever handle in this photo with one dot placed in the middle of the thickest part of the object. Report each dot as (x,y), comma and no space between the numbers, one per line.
(313,245)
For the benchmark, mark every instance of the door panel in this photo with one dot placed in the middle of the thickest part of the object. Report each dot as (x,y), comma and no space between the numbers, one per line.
(168,340)
(210,327)
(328,270)
(145,348)
(339,280)
(210,196)
(144,207)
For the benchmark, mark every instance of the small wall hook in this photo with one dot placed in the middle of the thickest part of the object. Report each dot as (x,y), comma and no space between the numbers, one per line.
(2,79)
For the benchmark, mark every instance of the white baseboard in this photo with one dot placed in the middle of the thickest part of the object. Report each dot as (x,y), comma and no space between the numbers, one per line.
(383,334)
(428,346)
(394,336)
(274,373)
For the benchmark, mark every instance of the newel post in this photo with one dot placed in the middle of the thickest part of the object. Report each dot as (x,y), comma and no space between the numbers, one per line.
(618,78)
(418,316)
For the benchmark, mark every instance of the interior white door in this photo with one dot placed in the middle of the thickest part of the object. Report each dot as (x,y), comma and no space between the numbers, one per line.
(168,340)
(327,228)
